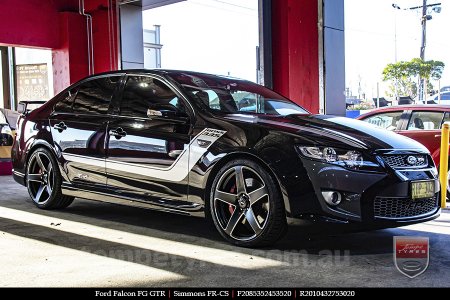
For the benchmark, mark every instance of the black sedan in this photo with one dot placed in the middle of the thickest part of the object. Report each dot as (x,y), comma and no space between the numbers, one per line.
(203,145)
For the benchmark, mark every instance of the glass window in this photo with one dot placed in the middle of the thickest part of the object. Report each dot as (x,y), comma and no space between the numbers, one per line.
(446,118)
(65,104)
(3,118)
(143,93)
(387,120)
(425,120)
(94,96)
(228,95)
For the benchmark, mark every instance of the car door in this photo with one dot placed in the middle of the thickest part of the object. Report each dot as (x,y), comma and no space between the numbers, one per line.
(78,127)
(425,127)
(148,143)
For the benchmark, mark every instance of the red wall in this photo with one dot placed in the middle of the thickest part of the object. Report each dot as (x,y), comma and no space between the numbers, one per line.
(71,57)
(106,35)
(57,25)
(296,51)
(32,23)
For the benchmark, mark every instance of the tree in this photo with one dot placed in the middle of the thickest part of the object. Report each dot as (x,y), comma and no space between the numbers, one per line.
(404,75)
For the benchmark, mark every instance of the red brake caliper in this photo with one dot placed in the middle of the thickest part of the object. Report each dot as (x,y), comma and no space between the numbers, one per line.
(231,207)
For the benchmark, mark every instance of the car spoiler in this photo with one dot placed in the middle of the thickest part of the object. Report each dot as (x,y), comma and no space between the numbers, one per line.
(23,105)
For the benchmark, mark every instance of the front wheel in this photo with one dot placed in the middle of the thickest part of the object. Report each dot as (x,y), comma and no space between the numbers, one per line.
(44,181)
(246,205)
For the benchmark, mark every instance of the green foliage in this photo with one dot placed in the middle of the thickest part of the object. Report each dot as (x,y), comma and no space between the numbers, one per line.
(404,75)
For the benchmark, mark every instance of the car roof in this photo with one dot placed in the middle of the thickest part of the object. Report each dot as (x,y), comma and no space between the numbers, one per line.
(163,72)
(434,107)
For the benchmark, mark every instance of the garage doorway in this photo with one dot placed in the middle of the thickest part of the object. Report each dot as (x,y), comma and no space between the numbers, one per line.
(212,36)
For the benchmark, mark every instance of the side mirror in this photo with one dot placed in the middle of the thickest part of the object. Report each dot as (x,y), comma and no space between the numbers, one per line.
(167,112)
(22,108)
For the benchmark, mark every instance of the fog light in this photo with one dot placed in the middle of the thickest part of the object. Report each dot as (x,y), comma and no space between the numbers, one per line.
(332,198)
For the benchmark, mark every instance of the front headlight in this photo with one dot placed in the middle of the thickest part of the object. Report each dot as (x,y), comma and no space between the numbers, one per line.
(350,159)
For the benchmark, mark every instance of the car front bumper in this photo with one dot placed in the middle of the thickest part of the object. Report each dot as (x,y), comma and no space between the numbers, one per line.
(377,199)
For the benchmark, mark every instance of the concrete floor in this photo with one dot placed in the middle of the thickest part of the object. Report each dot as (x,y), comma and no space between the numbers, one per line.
(93,244)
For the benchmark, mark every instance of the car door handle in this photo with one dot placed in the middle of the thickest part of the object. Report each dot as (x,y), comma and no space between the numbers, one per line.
(60,126)
(437,135)
(118,133)
(175,153)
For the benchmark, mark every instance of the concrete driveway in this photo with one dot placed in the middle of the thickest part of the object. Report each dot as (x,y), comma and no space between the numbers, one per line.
(94,244)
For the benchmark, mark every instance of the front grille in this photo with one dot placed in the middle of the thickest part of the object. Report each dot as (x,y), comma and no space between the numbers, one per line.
(397,208)
(406,161)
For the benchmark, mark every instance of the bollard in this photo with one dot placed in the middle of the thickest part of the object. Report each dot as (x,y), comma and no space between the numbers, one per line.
(443,165)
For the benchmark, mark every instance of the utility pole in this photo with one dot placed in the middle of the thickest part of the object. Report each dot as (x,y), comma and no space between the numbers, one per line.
(424,30)
(436,7)
(422,88)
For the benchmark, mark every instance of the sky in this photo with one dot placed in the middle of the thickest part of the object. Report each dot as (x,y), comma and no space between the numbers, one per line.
(212,36)
(220,36)
(370,39)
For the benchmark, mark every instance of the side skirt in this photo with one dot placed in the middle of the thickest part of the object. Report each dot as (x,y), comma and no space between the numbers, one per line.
(195,210)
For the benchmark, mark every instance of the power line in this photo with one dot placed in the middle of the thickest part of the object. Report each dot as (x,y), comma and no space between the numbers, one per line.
(252,13)
(236,5)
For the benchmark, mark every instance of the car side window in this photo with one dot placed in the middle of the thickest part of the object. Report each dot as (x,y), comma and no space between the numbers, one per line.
(64,105)
(446,118)
(94,96)
(144,95)
(425,120)
(388,120)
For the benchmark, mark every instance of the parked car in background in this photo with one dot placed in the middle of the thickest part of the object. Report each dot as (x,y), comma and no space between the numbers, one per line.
(445,89)
(445,99)
(420,122)
(6,141)
(11,118)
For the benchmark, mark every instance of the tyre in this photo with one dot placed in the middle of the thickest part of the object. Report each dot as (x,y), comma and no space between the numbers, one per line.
(44,181)
(246,205)
(448,185)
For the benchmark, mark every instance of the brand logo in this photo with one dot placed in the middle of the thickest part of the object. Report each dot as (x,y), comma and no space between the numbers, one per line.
(412,160)
(411,255)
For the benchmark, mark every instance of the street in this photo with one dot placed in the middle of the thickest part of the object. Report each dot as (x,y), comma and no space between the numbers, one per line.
(92,244)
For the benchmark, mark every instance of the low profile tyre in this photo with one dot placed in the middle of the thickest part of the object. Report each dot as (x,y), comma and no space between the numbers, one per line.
(44,181)
(246,205)
(448,185)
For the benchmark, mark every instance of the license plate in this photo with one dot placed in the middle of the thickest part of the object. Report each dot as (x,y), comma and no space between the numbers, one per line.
(422,189)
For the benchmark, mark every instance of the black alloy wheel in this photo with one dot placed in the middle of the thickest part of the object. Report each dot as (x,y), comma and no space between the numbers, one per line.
(44,181)
(246,206)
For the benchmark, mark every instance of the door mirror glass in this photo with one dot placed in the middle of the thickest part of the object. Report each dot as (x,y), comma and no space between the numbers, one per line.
(22,108)
(166,111)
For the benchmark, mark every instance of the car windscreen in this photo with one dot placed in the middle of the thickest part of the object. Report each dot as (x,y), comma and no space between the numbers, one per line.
(227,95)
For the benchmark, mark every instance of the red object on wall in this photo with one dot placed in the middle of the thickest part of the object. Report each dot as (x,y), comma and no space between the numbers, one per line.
(295,51)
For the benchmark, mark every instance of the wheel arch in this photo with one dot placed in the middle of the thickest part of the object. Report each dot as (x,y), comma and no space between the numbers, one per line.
(36,145)
(248,156)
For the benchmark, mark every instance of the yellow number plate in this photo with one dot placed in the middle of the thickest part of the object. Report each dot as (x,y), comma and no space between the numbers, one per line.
(422,189)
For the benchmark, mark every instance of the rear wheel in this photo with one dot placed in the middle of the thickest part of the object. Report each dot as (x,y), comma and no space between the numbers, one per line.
(246,205)
(44,181)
